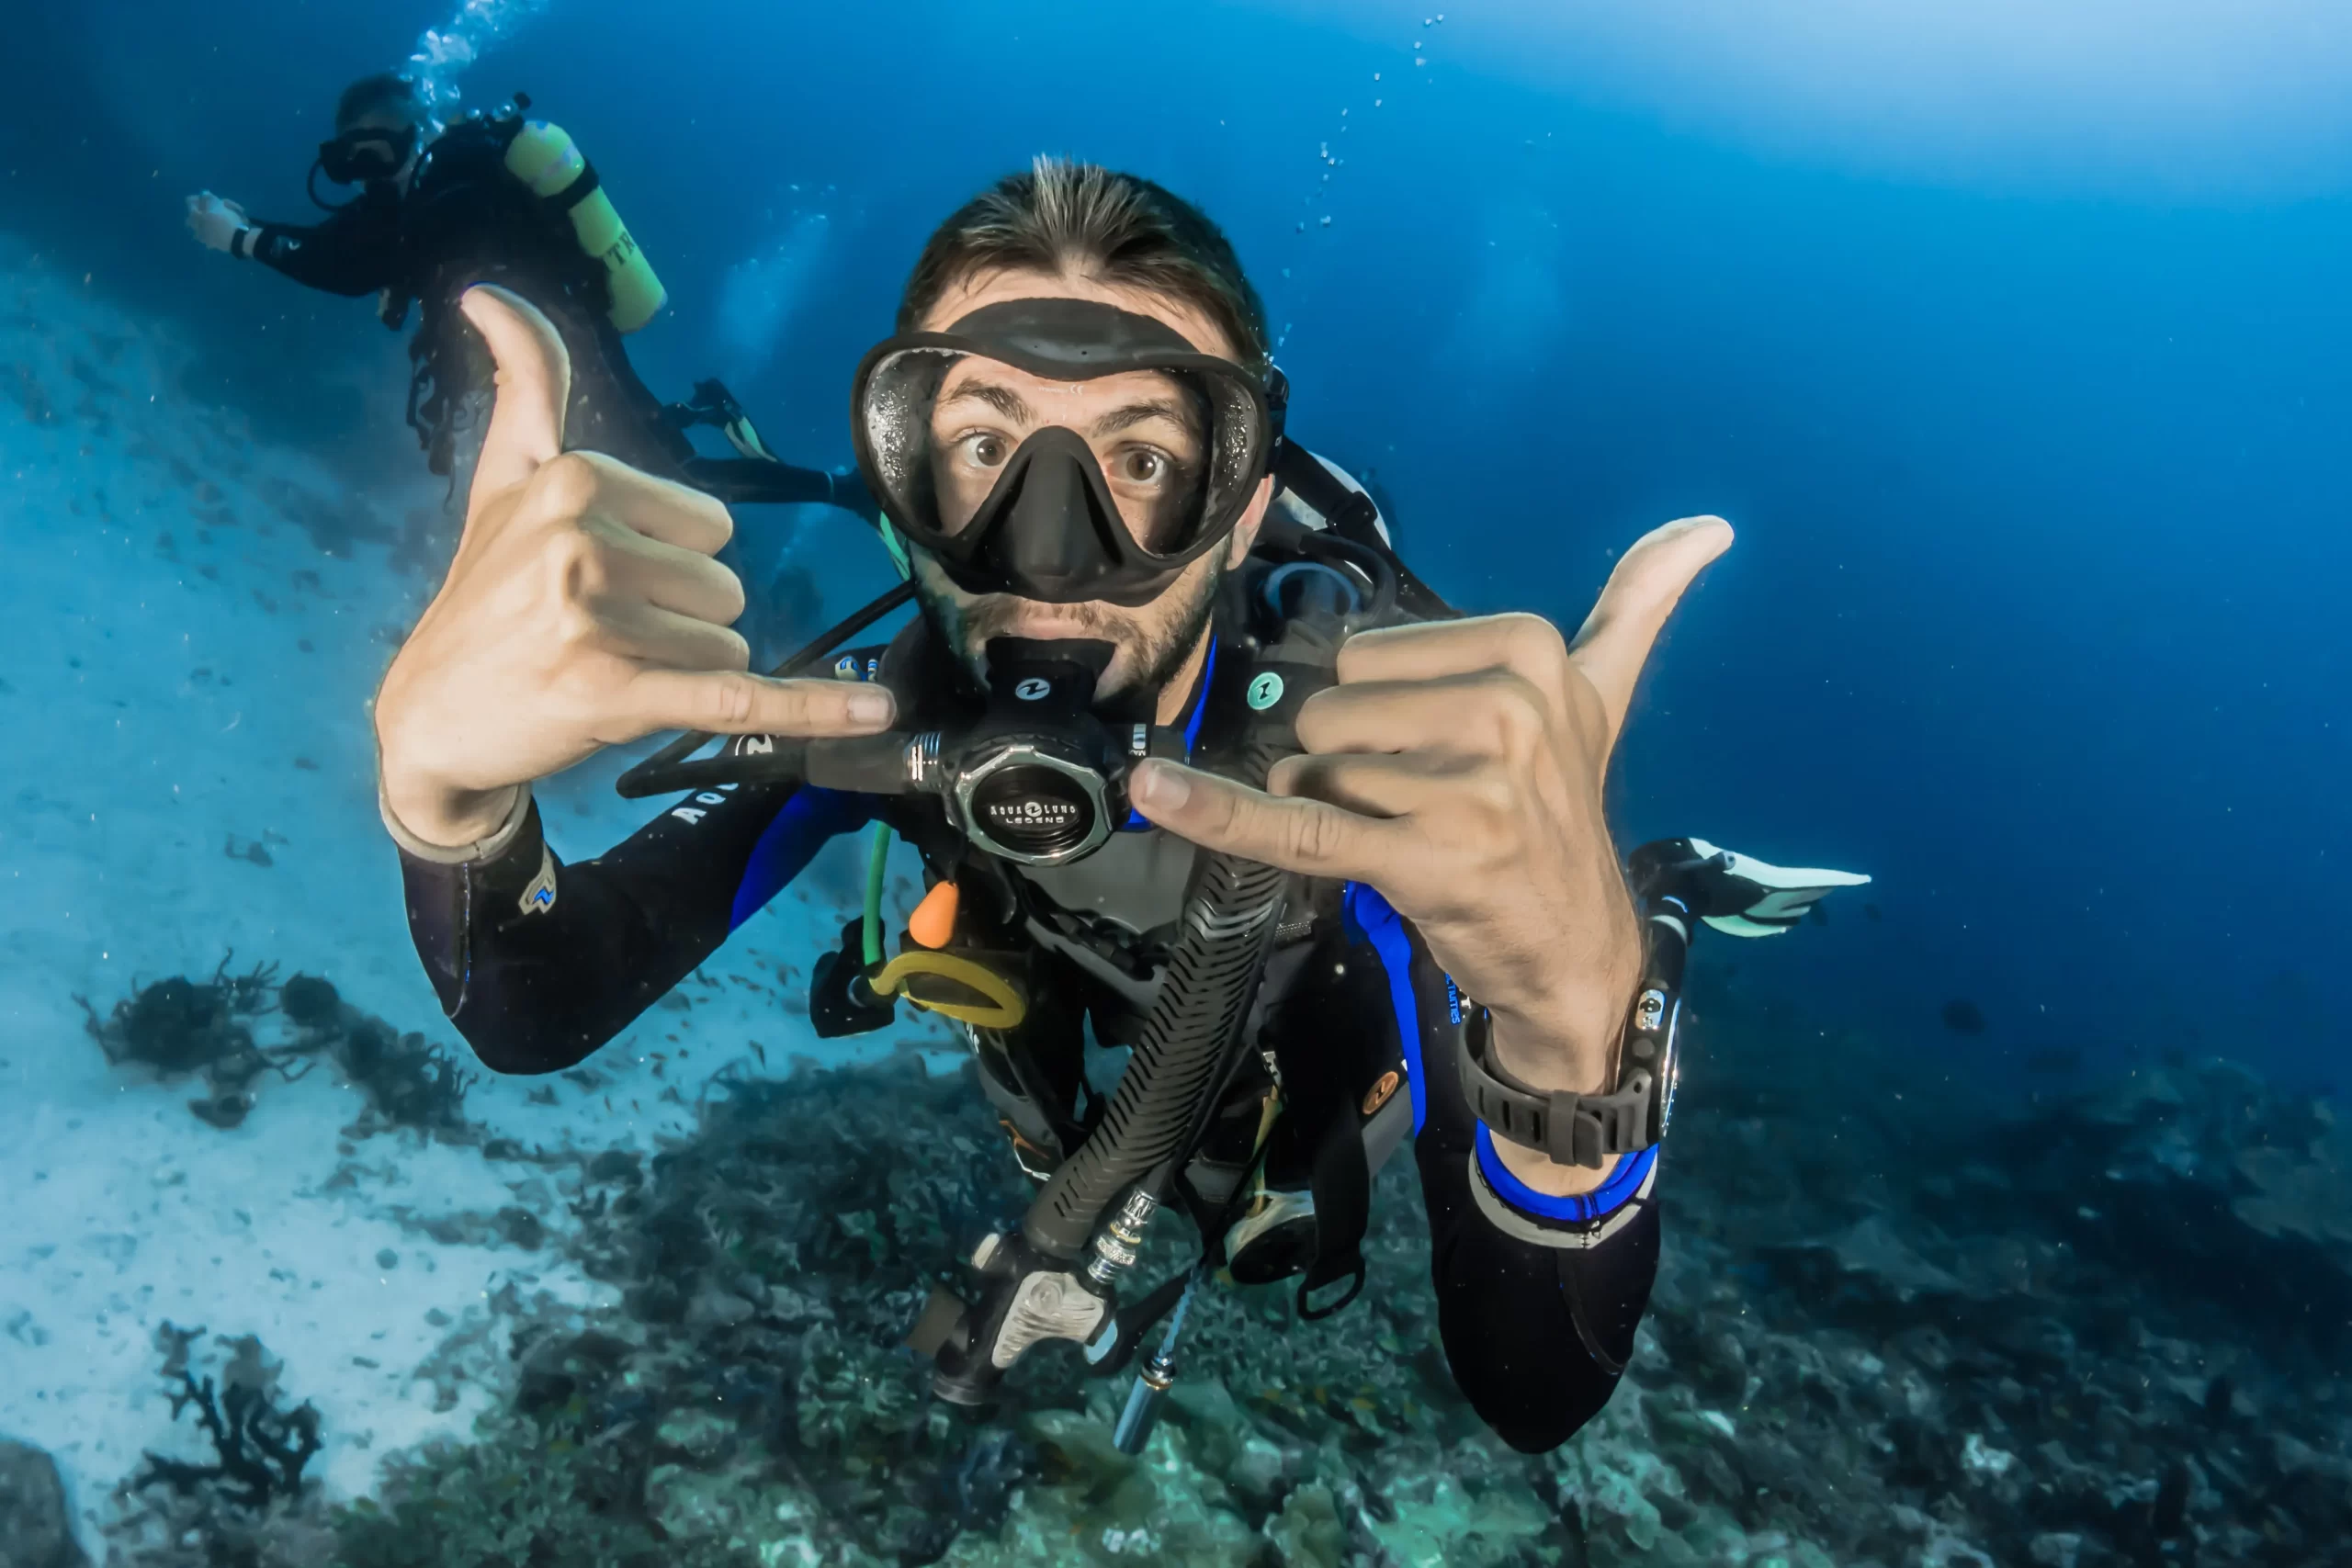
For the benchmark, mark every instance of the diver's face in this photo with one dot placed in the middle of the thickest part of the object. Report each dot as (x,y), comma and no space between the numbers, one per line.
(393,125)
(1149,435)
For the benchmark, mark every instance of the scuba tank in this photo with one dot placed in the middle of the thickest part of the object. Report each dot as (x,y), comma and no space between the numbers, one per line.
(545,158)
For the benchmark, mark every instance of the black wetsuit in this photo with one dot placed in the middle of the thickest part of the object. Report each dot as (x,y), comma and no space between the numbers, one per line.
(463,220)
(538,964)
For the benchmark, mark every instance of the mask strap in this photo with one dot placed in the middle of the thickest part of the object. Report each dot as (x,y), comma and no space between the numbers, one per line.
(896,546)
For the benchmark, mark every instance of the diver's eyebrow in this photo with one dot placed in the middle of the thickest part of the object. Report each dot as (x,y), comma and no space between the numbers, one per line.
(1132,414)
(1004,400)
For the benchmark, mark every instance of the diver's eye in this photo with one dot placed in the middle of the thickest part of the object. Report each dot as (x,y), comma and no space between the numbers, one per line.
(1141,466)
(985,449)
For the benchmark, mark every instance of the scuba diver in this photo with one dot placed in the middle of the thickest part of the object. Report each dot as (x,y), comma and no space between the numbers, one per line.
(1221,782)
(497,197)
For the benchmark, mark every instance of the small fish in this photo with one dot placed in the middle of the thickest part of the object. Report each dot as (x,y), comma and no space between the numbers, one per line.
(1963,1017)
(760,1052)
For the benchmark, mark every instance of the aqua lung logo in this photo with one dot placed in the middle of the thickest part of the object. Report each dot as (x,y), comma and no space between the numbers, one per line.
(1265,691)
(1033,814)
(1033,689)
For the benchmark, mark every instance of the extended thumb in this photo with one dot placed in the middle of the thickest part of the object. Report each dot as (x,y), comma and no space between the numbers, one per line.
(1615,640)
(533,386)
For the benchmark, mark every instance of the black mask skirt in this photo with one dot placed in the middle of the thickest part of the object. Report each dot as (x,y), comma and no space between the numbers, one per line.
(965,467)
(365,153)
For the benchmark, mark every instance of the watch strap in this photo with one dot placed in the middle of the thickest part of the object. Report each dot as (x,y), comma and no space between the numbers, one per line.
(1568,1128)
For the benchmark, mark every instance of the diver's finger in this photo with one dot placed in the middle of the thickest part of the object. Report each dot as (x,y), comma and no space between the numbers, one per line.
(1431,649)
(730,702)
(659,508)
(648,572)
(1371,786)
(534,384)
(1616,638)
(587,488)
(1493,711)
(654,638)
(1303,836)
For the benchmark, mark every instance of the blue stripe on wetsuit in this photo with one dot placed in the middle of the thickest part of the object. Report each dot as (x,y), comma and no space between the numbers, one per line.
(1384,929)
(1602,1200)
(1136,821)
(811,818)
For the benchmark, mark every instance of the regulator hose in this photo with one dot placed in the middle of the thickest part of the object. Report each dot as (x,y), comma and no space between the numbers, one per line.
(1205,996)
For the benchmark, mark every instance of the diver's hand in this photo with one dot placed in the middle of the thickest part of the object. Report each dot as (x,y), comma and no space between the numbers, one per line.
(216,223)
(1457,767)
(583,609)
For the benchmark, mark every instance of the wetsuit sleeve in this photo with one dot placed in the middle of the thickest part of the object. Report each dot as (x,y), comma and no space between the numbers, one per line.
(1538,1298)
(355,252)
(539,963)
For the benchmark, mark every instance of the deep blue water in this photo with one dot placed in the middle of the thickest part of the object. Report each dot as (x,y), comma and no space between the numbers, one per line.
(2039,468)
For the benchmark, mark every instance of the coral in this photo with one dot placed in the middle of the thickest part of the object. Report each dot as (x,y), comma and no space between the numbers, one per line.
(250,1505)
(309,1001)
(259,1450)
(178,1026)
(1904,1344)
(552,1492)
(408,1082)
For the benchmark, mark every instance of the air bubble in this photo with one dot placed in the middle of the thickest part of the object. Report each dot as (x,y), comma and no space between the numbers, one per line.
(1327,220)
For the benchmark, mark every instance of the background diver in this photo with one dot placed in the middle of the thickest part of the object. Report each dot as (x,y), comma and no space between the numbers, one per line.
(1231,790)
(497,197)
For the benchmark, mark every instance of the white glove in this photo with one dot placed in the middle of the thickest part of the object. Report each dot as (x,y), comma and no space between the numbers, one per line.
(216,223)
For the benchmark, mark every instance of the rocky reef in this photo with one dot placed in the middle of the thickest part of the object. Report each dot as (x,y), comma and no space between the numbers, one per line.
(2089,1330)
(2096,1333)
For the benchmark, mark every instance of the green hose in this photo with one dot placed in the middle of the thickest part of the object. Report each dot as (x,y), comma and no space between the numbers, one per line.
(876,864)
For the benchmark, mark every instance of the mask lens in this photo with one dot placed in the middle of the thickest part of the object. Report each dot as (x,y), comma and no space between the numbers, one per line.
(365,152)
(1173,446)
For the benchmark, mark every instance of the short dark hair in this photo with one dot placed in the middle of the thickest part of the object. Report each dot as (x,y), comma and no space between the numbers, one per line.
(387,92)
(1058,216)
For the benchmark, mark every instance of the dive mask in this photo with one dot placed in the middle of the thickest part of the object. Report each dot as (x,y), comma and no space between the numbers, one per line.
(367,153)
(958,437)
